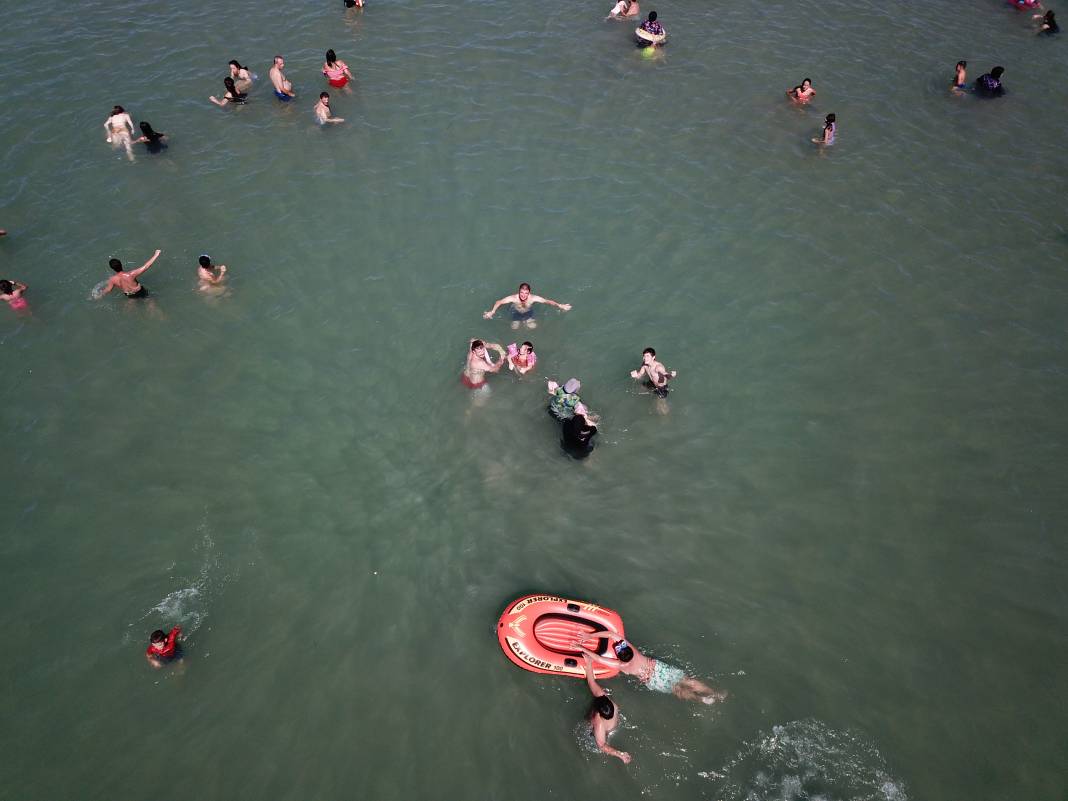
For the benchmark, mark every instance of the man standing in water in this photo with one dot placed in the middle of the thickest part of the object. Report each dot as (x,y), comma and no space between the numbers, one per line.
(654,674)
(603,716)
(283,89)
(127,281)
(656,375)
(478,364)
(523,306)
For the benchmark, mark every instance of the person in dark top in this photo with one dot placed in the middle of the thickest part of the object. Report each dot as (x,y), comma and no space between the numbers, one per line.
(578,432)
(989,84)
(1049,23)
(231,95)
(153,140)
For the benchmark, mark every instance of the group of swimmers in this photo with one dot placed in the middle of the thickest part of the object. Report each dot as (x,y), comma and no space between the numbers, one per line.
(650,34)
(579,424)
(240,80)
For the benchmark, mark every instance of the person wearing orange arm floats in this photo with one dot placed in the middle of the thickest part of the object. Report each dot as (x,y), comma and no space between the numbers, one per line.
(657,675)
(603,716)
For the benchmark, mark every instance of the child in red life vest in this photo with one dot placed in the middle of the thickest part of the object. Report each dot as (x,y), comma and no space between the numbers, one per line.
(162,648)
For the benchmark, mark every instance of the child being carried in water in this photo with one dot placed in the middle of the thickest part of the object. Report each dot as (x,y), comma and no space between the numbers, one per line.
(522,359)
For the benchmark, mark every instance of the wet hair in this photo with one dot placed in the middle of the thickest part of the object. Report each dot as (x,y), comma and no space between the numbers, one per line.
(650,351)
(115,265)
(602,705)
(962,64)
(228,82)
(526,286)
(331,57)
(146,129)
(476,344)
(118,110)
(158,636)
(806,80)
(234,63)
(205,261)
(831,118)
(1049,16)
(997,72)
(624,654)
(324,95)
(652,16)
(528,344)
(6,286)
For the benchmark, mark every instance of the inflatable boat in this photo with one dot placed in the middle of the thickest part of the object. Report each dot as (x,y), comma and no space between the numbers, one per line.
(537,632)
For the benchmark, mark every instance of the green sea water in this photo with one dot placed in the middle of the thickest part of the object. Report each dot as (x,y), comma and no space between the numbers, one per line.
(851,516)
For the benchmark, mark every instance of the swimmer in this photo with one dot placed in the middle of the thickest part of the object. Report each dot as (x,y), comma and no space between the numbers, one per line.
(523,306)
(655,374)
(603,716)
(564,398)
(960,78)
(654,674)
(242,77)
(650,33)
(127,281)
(830,128)
(322,110)
(1049,23)
(802,93)
(11,294)
(522,359)
(120,128)
(231,95)
(151,139)
(989,83)
(336,72)
(624,9)
(479,363)
(283,89)
(210,275)
(578,432)
(353,3)
(162,648)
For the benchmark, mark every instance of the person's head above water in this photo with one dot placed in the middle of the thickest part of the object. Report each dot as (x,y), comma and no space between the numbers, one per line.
(524,291)
(806,83)
(205,261)
(115,265)
(331,57)
(526,347)
(118,110)
(604,707)
(648,355)
(962,65)
(158,637)
(997,72)
(652,16)
(1049,17)
(572,386)
(6,286)
(236,65)
(231,87)
(325,97)
(476,344)
(831,119)
(146,129)
(279,61)
(623,651)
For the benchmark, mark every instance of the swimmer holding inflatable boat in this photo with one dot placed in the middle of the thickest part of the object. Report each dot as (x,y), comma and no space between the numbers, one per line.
(603,716)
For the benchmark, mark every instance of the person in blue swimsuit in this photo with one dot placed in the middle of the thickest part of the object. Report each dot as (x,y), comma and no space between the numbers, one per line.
(960,78)
(283,89)
(523,306)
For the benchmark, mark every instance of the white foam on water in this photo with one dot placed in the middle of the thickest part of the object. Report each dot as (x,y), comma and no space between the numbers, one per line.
(806,759)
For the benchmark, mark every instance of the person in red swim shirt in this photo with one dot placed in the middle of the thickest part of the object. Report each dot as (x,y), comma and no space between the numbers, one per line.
(162,648)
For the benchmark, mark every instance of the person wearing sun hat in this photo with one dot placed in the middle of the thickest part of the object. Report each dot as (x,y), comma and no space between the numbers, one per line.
(564,398)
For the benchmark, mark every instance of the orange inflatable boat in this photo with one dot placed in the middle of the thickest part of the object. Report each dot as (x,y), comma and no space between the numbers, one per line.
(536,632)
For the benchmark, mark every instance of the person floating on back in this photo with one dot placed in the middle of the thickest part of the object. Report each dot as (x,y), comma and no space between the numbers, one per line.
(603,715)
(283,89)
(650,33)
(828,132)
(654,674)
(523,306)
(163,648)
(127,281)
(989,83)
(120,129)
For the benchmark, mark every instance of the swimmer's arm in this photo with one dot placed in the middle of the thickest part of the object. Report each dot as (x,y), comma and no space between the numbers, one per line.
(146,265)
(592,655)
(153,661)
(499,303)
(591,682)
(110,285)
(602,743)
(222,102)
(540,299)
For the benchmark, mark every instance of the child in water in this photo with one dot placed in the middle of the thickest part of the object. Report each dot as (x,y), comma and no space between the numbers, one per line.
(830,128)
(11,293)
(210,275)
(522,359)
(960,78)
(802,93)
(162,648)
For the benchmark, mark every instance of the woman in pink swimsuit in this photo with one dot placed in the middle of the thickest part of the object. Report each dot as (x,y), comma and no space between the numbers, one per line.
(11,291)
(336,72)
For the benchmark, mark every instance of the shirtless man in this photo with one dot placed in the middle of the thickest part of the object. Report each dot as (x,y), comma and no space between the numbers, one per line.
(283,89)
(120,128)
(523,306)
(603,716)
(654,372)
(211,276)
(654,674)
(127,281)
(322,110)
(478,364)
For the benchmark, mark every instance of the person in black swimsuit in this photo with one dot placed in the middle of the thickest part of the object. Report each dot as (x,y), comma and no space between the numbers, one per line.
(151,139)
(578,432)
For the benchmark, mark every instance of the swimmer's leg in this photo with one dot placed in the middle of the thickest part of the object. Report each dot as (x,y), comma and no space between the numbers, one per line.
(532,323)
(691,689)
(515,324)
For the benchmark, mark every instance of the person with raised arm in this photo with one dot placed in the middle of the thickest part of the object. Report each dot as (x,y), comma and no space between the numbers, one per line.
(523,306)
(603,715)
(127,281)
